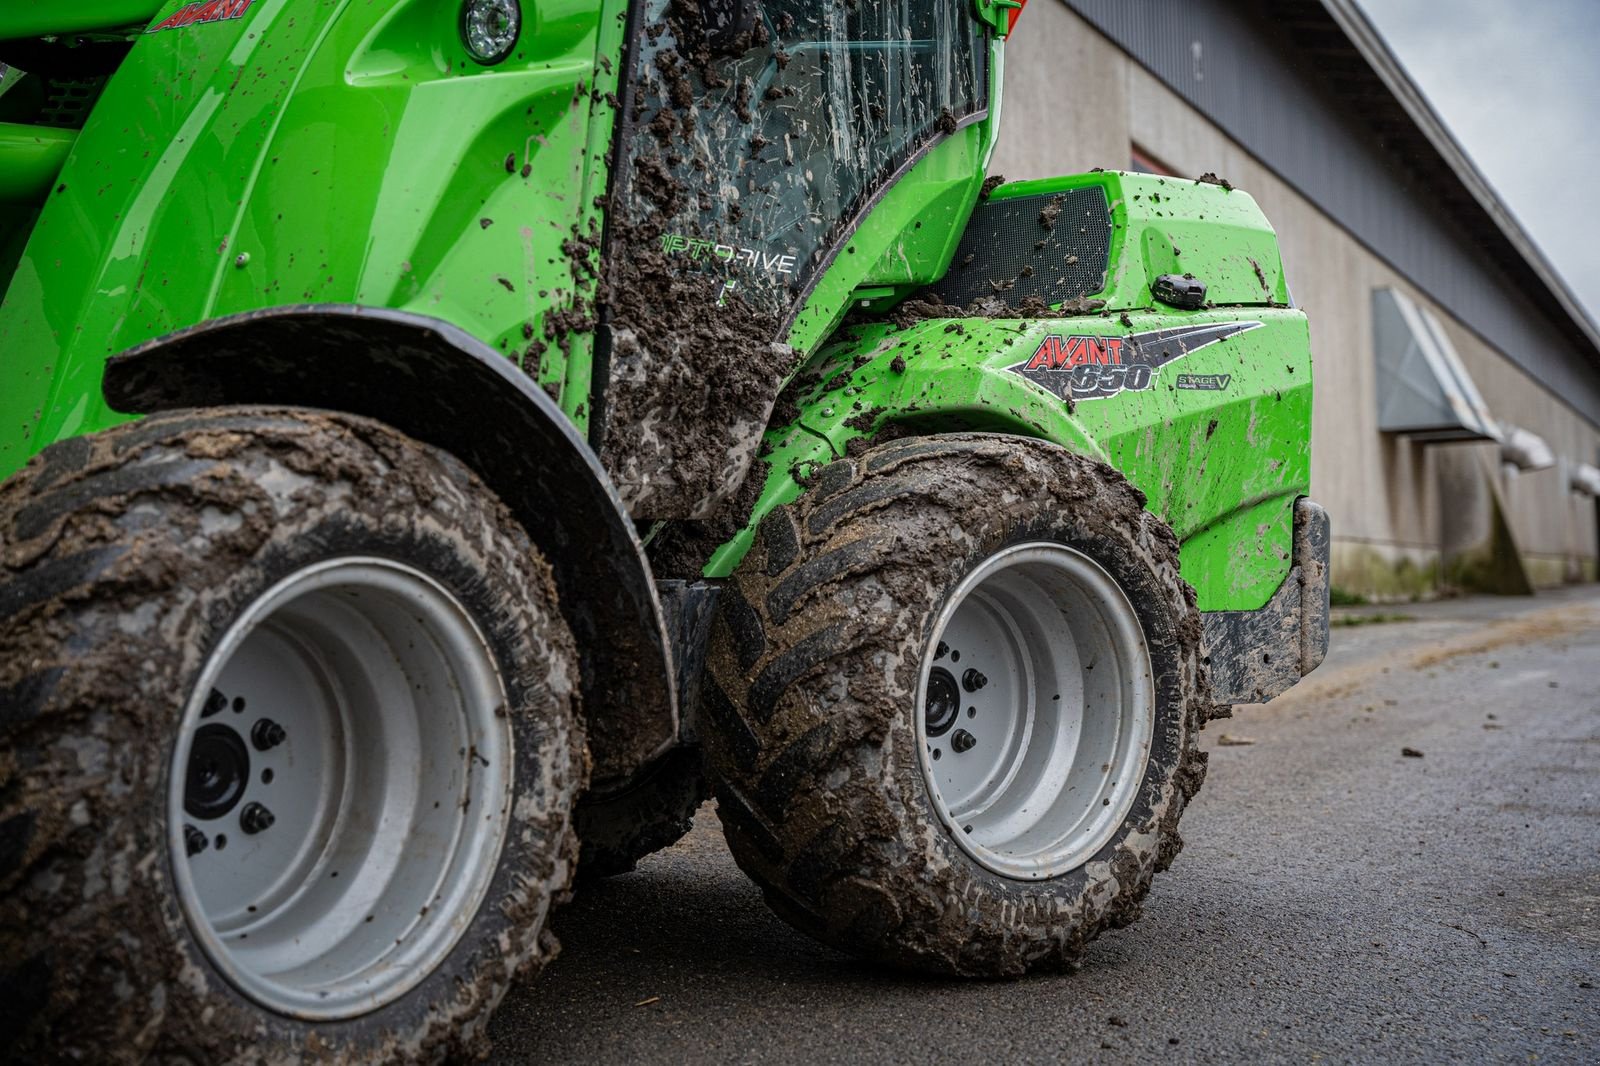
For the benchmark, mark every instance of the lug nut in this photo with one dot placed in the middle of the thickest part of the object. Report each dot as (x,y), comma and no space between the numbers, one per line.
(194,841)
(972,680)
(962,741)
(255,818)
(267,734)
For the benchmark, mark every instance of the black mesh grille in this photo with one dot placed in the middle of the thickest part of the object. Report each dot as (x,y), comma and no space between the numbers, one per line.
(67,101)
(1050,245)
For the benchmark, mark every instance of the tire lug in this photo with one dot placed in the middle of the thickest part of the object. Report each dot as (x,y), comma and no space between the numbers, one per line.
(255,818)
(194,841)
(267,734)
(962,741)
(973,679)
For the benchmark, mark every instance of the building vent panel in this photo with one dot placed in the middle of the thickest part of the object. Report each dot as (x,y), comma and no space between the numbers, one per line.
(1424,390)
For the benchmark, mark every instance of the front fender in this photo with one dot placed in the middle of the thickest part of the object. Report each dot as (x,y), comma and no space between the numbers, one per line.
(439,385)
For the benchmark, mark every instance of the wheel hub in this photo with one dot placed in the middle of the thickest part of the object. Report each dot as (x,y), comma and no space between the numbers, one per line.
(326,863)
(219,766)
(1056,706)
(943,702)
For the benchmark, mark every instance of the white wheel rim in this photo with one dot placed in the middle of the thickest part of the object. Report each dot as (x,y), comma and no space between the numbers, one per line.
(1054,714)
(389,789)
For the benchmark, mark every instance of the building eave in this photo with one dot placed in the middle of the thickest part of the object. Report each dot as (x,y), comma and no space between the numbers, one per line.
(1361,33)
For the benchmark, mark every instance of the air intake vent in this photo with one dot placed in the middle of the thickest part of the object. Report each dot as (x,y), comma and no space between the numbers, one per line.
(68,100)
(1052,245)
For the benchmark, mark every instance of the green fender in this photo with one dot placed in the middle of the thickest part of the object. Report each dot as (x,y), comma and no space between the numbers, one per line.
(1223,466)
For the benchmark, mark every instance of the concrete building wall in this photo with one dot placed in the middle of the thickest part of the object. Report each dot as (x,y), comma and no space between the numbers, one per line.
(1406,516)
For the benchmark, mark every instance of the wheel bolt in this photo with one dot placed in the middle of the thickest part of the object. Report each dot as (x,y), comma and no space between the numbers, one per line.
(255,818)
(194,841)
(973,680)
(962,741)
(267,734)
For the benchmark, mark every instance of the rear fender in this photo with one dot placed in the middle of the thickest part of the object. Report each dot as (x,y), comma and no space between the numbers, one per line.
(878,382)
(439,385)
(1221,465)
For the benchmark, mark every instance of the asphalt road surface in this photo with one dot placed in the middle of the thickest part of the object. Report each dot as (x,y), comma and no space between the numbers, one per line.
(1336,901)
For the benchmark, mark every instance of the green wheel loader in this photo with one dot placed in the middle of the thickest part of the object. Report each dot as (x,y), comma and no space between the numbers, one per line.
(446,441)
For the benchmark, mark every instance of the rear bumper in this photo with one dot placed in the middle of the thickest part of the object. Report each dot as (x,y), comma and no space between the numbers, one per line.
(1256,655)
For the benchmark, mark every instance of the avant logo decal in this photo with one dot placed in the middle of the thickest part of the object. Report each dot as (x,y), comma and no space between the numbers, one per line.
(1097,368)
(212,11)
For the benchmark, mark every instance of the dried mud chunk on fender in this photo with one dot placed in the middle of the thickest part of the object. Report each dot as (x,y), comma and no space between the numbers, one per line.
(685,413)
(731,194)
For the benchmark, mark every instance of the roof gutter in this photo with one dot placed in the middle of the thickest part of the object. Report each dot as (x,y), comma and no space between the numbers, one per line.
(1366,38)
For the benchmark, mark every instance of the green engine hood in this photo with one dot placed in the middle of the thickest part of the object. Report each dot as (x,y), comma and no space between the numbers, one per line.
(37,18)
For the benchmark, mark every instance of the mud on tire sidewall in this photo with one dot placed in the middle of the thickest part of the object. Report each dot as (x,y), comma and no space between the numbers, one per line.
(1108,888)
(896,885)
(126,975)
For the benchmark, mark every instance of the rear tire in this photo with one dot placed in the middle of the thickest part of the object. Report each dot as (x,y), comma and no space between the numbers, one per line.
(290,740)
(834,750)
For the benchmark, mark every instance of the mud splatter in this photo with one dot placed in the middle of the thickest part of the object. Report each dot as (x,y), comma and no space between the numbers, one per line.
(1261,276)
(695,366)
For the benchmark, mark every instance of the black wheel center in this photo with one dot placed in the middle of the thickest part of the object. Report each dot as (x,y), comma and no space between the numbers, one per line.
(943,702)
(219,768)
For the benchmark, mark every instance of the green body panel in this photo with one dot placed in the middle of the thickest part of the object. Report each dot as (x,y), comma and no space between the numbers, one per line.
(338,152)
(1165,225)
(30,159)
(1223,467)
(315,152)
(34,18)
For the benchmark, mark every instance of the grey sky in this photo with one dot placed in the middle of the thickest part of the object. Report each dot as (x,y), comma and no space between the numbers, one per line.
(1518,83)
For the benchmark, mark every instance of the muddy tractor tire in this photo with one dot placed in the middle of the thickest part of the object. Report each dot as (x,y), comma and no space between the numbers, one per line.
(653,811)
(957,687)
(288,745)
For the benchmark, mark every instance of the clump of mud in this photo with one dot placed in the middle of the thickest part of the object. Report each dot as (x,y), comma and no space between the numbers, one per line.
(929,305)
(694,364)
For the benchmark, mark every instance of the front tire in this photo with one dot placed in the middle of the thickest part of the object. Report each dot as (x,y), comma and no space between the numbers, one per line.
(292,744)
(985,815)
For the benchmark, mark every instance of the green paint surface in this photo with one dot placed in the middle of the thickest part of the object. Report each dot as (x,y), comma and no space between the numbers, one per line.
(342,152)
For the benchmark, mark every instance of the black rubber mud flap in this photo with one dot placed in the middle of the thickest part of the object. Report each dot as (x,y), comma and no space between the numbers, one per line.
(618,826)
(1256,655)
